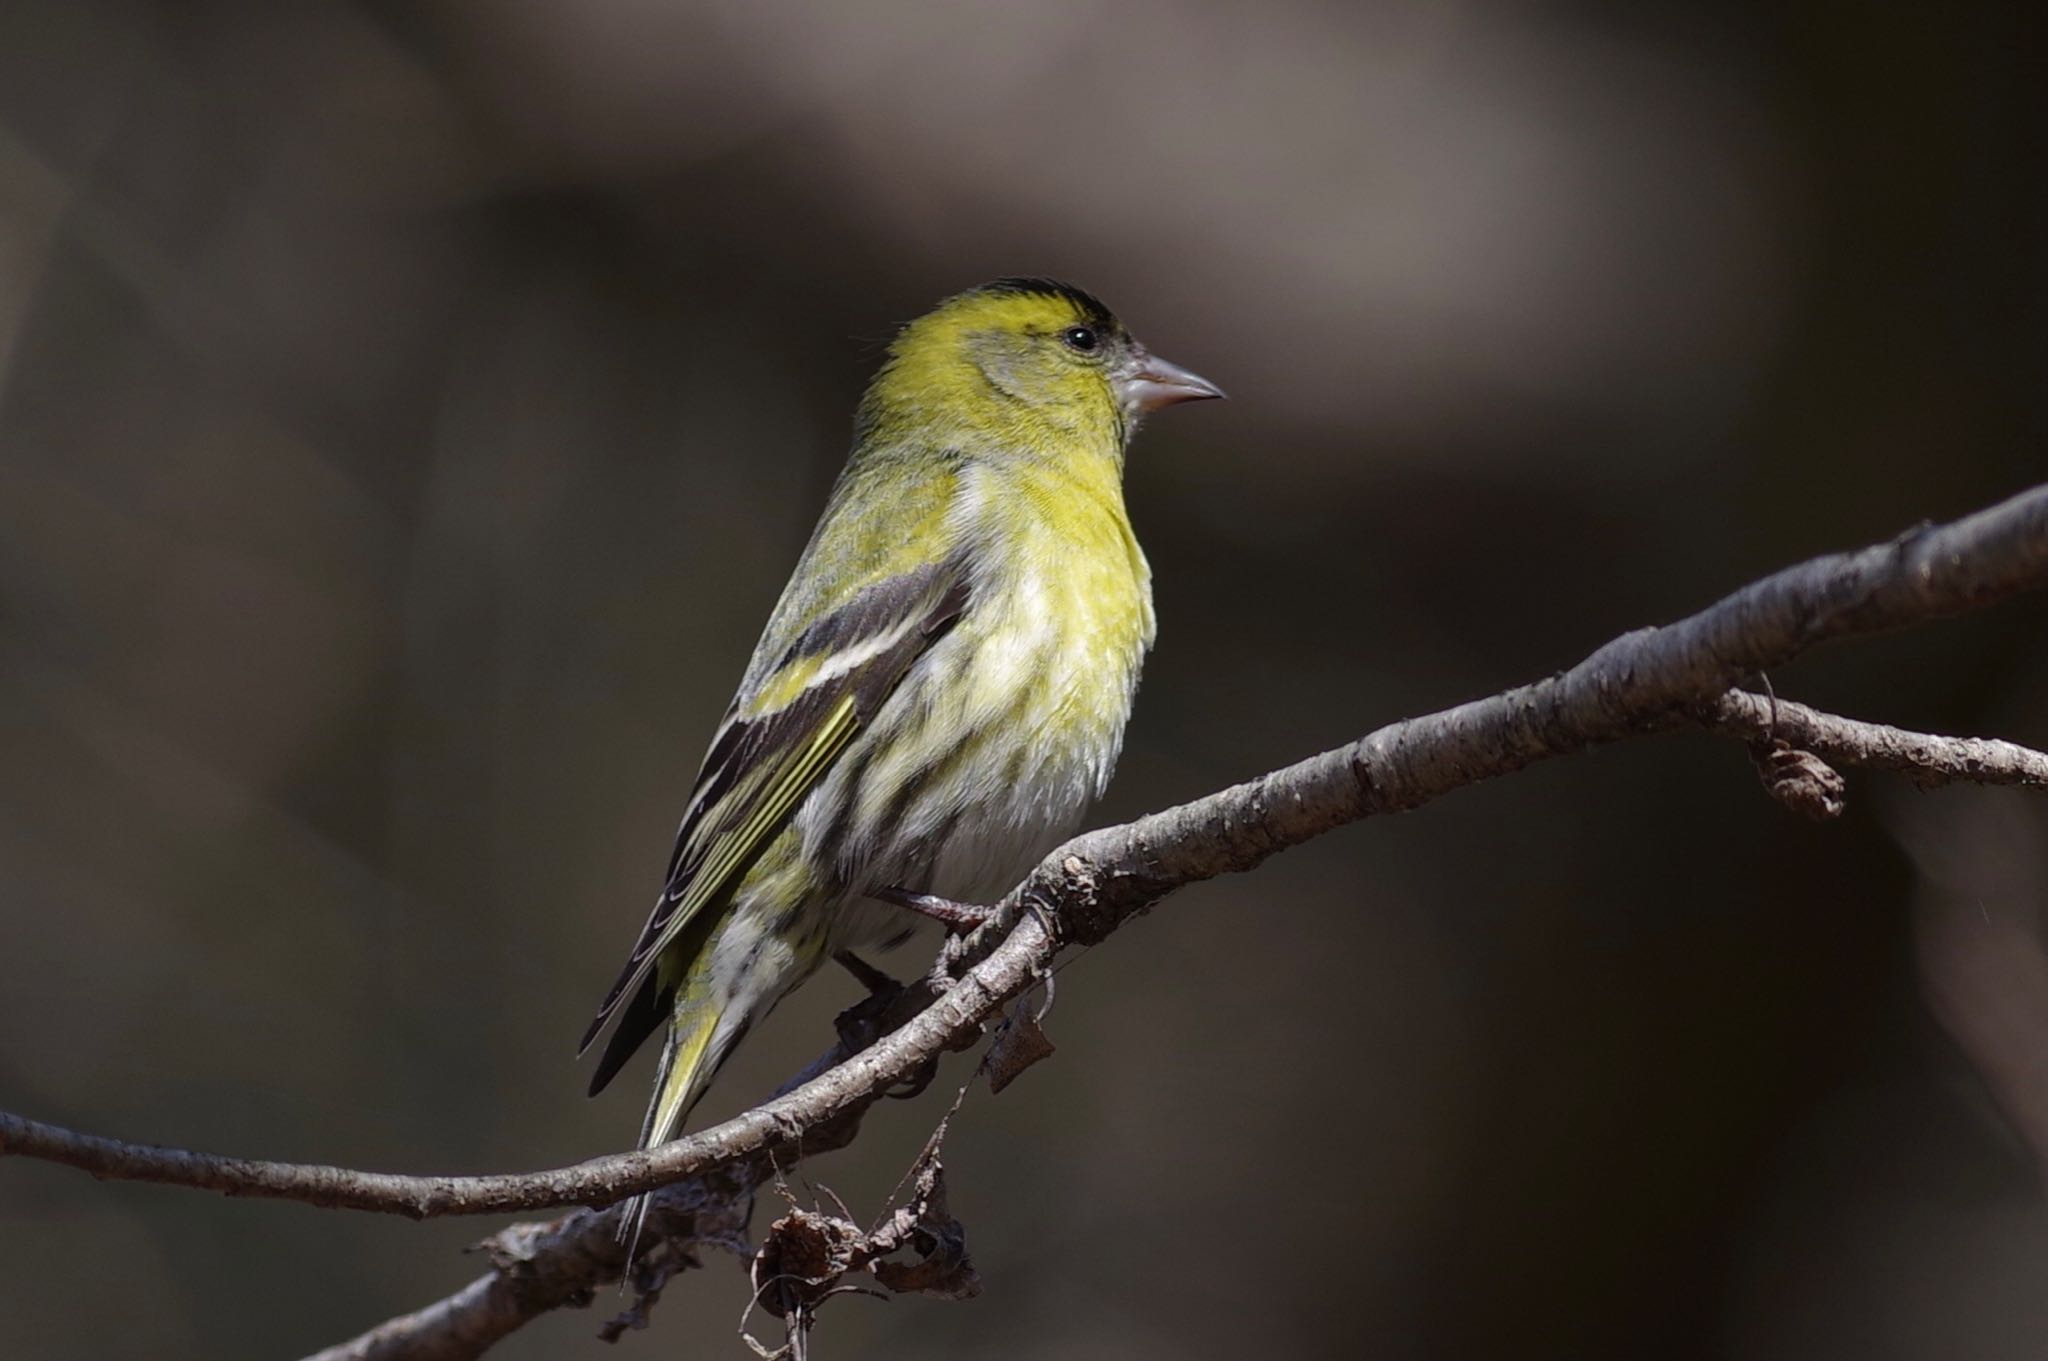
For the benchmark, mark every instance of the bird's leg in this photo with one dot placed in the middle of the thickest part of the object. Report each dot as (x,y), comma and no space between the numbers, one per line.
(958,918)
(859,1025)
(874,980)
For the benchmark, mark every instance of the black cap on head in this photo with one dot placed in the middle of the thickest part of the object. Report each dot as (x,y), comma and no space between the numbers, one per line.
(1087,303)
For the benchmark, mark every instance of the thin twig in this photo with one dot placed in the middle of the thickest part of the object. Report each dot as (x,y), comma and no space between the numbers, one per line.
(1928,758)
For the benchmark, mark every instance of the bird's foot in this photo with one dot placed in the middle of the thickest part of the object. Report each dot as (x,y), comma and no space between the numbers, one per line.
(957,918)
(913,1086)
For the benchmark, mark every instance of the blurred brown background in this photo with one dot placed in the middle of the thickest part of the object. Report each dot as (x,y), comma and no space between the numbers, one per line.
(409,413)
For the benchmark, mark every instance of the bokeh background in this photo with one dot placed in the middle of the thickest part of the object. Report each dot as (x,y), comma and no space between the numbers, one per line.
(408,414)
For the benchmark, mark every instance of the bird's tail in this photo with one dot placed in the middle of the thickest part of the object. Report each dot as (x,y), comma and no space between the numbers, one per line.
(698,1041)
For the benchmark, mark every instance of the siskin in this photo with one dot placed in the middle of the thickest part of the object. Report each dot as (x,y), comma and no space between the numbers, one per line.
(942,687)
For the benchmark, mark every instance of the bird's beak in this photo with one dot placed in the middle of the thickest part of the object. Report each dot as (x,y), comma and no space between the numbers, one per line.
(1151,382)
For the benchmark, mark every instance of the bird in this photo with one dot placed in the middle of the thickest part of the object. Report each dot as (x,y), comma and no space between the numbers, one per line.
(941,689)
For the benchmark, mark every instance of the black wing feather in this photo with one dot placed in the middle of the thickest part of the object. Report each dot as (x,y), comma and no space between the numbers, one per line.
(940,592)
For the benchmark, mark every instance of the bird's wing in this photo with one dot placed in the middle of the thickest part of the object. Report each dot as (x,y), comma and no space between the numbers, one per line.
(781,735)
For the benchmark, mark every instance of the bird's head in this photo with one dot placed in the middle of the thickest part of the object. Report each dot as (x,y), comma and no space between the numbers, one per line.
(1024,353)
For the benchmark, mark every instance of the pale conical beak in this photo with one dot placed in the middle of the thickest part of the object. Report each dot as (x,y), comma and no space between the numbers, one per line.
(1152,382)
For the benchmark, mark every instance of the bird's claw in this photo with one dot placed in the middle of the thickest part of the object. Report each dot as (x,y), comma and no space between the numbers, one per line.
(913,1086)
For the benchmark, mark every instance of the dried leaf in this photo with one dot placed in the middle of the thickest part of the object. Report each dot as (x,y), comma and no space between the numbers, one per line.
(943,1267)
(803,1257)
(1801,781)
(1019,1044)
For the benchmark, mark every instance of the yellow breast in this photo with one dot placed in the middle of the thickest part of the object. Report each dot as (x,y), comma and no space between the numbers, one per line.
(1066,615)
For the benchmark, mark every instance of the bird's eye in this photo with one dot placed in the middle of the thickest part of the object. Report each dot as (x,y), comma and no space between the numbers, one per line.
(1080,338)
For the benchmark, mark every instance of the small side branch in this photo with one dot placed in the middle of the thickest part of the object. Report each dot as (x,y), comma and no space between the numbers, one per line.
(1929,758)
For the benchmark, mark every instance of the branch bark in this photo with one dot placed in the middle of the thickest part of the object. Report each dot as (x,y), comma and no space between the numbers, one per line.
(1646,681)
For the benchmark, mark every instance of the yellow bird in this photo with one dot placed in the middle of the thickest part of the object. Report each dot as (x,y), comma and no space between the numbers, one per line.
(942,688)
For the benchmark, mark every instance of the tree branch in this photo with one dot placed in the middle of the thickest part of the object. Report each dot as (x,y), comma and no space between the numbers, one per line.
(1642,682)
